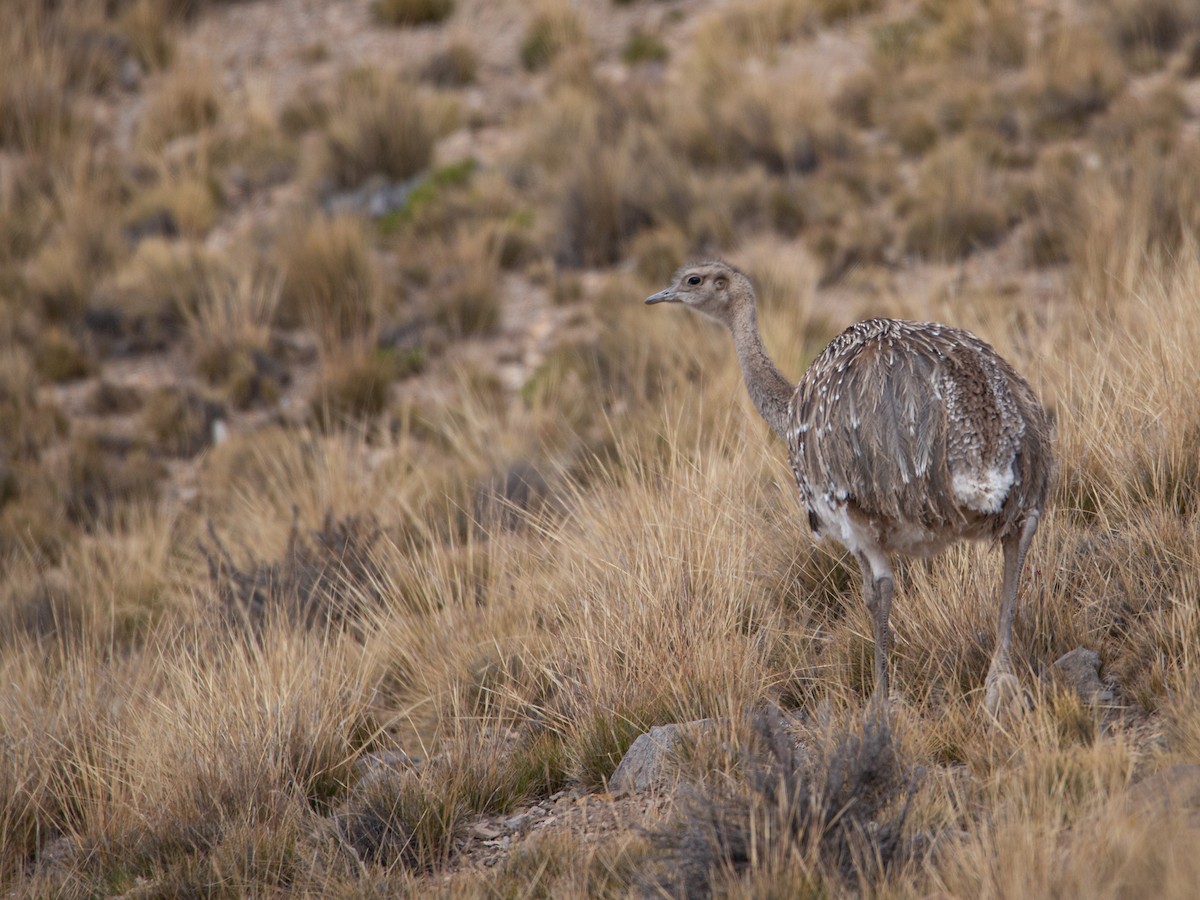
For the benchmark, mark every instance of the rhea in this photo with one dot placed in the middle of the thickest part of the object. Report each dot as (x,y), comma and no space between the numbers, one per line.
(904,438)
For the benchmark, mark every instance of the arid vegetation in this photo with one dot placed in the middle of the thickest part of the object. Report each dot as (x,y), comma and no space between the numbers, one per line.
(351,503)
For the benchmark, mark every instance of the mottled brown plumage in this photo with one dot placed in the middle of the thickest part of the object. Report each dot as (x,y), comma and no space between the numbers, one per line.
(904,437)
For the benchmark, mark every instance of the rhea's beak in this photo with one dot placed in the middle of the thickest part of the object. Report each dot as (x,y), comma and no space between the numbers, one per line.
(665,296)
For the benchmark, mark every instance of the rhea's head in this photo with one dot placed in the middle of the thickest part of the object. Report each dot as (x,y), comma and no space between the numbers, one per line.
(714,288)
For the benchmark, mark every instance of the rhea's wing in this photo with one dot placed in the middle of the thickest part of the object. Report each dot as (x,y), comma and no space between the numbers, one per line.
(872,429)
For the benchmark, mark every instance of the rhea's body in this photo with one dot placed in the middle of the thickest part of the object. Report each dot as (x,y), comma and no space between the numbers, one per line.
(904,437)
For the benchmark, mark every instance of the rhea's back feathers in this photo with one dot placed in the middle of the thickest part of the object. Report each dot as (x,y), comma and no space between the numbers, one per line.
(920,430)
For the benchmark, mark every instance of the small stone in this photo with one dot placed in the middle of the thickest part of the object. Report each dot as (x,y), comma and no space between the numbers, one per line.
(1080,671)
(518,822)
(129,76)
(485,832)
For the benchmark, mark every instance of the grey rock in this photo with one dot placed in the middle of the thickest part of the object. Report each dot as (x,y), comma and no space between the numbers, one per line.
(130,74)
(485,832)
(1080,671)
(650,762)
(376,198)
(520,821)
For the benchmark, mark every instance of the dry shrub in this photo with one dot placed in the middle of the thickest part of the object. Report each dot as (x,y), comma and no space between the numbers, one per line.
(331,283)
(327,577)
(643,47)
(1055,229)
(813,819)
(382,127)
(253,155)
(658,252)
(61,357)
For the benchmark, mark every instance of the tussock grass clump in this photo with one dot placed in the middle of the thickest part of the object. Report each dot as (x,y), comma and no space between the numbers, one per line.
(613,191)
(35,114)
(146,25)
(354,388)
(760,26)
(1076,75)
(82,244)
(180,421)
(466,296)
(955,209)
(230,337)
(97,483)
(454,66)
(1153,121)
(1147,33)
(28,422)
(381,128)
(186,102)
(755,121)
(330,280)
(150,298)
(187,206)
(61,357)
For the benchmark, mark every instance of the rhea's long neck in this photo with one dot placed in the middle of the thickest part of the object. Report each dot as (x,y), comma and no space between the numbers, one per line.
(770,391)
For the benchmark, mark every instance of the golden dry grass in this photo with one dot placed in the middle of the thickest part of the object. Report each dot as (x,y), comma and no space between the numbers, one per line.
(397,544)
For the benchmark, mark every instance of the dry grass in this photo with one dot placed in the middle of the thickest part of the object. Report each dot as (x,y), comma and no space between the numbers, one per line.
(472,501)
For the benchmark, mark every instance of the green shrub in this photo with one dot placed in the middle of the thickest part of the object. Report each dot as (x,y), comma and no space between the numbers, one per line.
(412,12)
(643,47)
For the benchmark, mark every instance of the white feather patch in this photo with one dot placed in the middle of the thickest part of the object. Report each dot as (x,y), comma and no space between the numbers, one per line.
(983,492)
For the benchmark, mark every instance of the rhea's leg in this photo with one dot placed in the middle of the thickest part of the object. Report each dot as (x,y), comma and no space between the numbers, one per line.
(1003,689)
(878,587)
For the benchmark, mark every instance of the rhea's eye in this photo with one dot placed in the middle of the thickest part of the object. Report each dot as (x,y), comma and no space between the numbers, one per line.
(694,279)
